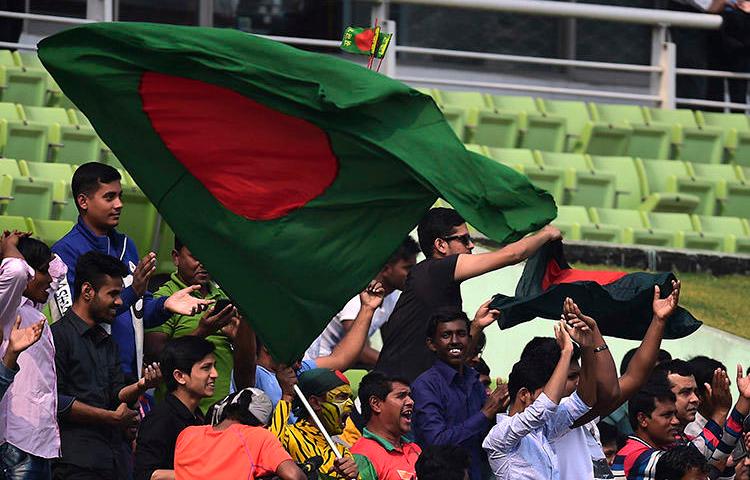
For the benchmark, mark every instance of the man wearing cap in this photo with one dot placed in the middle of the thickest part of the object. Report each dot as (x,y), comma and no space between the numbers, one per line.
(236,445)
(330,396)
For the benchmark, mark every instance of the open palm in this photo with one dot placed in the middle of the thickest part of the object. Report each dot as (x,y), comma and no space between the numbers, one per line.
(22,338)
(664,307)
(743,382)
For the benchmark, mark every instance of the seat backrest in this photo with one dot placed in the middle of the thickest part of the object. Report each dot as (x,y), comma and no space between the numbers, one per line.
(738,121)
(575,113)
(8,166)
(576,161)
(30,59)
(9,111)
(6,58)
(674,222)
(514,103)
(618,113)
(513,156)
(47,115)
(462,99)
(627,182)
(678,116)
(620,217)
(473,147)
(79,117)
(714,172)
(722,225)
(10,223)
(50,171)
(572,214)
(657,171)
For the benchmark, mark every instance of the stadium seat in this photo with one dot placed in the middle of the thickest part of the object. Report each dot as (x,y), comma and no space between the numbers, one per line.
(685,233)
(74,144)
(635,226)
(662,184)
(21,84)
(583,184)
(648,141)
(737,128)
(31,60)
(537,130)
(736,231)
(20,139)
(575,223)
(627,181)
(694,143)
(673,188)
(355,377)
(551,179)
(465,105)
(60,175)
(50,231)
(22,195)
(11,222)
(483,125)
(576,117)
(732,190)
(480,149)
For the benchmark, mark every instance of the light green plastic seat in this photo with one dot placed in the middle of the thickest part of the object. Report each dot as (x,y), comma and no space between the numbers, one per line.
(60,175)
(50,231)
(20,139)
(685,233)
(77,143)
(736,231)
(635,226)
(737,128)
(672,188)
(551,179)
(21,195)
(31,60)
(694,143)
(21,84)
(584,185)
(627,181)
(12,222)
(646,141)
(569,220)
(355,376)
(537,130)
(473,147)
(482,124)
(732,189)
(77,117)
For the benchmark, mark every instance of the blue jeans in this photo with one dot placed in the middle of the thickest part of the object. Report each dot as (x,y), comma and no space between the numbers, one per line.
(15,464)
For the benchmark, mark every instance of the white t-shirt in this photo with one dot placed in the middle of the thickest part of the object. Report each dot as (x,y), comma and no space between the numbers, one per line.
(334,332)
(577,451)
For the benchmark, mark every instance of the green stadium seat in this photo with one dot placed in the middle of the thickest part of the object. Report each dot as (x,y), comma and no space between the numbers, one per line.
(673,188)
(551,179)
(627,181)
(31,60)
(50,231)
(60,175)
(575,223)
(480,149)
(635,226)
(494,129)
(576,117)
(584,185)
(24,196)
(736,231)
(694,143)
(77,143)
(732,190)
(355,377)
(21,84)
(537,130)
(21,139)
(737,127)
(77,117)
(648,141)
(11,222)
(685,233)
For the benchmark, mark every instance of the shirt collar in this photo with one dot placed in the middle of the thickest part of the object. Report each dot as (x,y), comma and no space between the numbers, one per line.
(82,328)
(213,289)
(389,447)
(181,409)
(450,374)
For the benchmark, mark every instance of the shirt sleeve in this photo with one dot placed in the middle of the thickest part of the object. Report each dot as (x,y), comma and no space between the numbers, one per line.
(503,438)
(366,469)
(443,270)
(15,274)
(280,420)
(271,454)
(350,310)
(151,446)
(716,443)
(567,413)
(154,313)
(644,467)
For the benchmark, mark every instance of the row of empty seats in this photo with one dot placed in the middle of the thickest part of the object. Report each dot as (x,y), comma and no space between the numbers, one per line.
(505,121)
(24,80)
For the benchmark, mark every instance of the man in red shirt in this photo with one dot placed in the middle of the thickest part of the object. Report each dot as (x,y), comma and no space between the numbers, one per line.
(387,408)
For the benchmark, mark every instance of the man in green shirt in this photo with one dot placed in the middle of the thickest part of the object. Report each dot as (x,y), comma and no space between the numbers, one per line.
(230,335)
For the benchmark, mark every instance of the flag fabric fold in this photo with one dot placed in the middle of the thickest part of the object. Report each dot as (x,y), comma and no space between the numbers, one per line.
(620,302)
(291,175)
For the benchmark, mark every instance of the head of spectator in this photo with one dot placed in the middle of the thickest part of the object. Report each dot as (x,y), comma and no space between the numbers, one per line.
(387,406)
(608,435)
(98,196)
(653,414)
(663,356)
(329,394)
(526,382)
(546,351)
(703,370)
(190,270)
(683,462)
(683,385)
(443,462)
(396,269)
(484,375)
(188,366)
(448,336)
(38,255)
(442,233)
(474,361)
(249,406)
(97,288)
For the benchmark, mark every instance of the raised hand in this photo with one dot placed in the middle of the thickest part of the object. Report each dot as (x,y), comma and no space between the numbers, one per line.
(372,296)
(496,401)
(146,267)
(583,325)
(485,316)
(9,243)
(20,339)
(287,379)
(212,321)
(718,394)
(182,302)
(553,233)
(743,383)
(231,328)
(151,377)
(664,307)
(562,336)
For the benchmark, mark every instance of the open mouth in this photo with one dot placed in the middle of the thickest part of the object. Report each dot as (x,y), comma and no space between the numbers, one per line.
(455,352)
(406,414)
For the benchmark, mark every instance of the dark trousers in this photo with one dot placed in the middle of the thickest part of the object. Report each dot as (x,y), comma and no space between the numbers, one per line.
(66,471)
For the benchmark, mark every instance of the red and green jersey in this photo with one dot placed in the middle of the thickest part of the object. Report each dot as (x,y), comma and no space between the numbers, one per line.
(390,462)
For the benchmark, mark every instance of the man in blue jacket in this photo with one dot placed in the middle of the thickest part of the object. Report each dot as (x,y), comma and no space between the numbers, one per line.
(98,196)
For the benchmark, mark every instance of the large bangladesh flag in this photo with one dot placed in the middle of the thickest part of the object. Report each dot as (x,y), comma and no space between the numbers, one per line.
(291,175)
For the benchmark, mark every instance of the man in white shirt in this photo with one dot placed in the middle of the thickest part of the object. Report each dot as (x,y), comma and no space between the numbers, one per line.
(392,276)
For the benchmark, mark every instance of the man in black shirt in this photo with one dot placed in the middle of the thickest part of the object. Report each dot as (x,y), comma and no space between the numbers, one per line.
(189,370)
(436,282)
(93,409)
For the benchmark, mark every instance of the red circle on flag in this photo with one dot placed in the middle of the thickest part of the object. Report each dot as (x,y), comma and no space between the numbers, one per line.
(256,161)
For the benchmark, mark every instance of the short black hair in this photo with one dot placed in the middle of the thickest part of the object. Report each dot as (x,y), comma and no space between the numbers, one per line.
(93,266)
(88,176)
(482,368)
(375,384)
(178,243)
(656,389)
(531,373)
(703,369)
(181,354)
(36,253)
(405,251)
(607,433)
(443,462)
(438,223)
(445,315)
(679,460)
(546,348)
(663,356)
(676,366)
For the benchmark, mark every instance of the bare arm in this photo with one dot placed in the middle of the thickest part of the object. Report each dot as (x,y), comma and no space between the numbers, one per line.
(583,334)
(470,266)
(556,384)
(369,355)
(163,475)
(244,355)
(288,470)
(151,378)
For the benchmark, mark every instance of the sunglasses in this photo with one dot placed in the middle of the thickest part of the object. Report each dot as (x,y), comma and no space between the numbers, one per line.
(465,239)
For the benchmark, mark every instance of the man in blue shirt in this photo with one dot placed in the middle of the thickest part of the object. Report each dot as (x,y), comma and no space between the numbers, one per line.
(450,403)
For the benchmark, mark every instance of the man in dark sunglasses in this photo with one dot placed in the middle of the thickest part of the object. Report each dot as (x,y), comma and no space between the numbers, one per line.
(436,282)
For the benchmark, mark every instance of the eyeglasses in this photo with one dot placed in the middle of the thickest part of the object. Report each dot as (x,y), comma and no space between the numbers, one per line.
(465,239)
